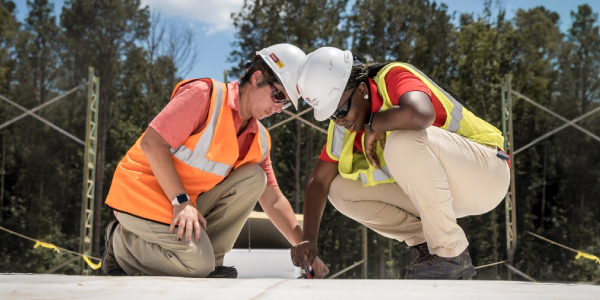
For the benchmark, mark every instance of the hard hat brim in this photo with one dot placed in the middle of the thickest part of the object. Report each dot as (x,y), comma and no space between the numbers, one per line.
(326,112)
(290,90)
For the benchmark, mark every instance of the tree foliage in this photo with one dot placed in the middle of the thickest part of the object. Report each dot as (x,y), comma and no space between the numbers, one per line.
(139,58)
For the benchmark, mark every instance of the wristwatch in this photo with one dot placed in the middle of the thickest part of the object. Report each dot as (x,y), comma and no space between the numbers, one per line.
(368,124)
(180,199)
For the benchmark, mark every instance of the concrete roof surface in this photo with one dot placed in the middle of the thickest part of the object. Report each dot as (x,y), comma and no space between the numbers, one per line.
(36,286)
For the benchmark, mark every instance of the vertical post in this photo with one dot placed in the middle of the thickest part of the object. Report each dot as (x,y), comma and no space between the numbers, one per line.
(365,252)
(89,174)
(510,199)
(225,76)
(2,172)
(513,192)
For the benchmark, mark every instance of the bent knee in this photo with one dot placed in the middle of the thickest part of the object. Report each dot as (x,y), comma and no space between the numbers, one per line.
(337,190)
(253,175)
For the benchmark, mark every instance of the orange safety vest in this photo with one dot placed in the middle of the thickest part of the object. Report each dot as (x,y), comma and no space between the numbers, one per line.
(202,161)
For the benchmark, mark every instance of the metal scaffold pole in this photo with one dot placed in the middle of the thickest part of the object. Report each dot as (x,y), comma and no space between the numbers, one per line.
(510,199)
(365,252)
(89,174)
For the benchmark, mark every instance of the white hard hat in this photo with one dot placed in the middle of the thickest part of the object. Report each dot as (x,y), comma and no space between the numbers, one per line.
(284,60)
(323,75)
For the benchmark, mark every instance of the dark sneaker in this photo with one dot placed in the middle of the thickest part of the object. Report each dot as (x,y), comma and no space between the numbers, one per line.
(422,254)
(435,267)
(110,267)
(223,272)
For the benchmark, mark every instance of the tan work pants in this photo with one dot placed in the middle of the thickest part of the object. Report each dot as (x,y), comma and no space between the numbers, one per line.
(440,176)
(146,247)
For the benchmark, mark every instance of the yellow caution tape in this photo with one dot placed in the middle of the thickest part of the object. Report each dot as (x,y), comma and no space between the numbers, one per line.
(90,263)
(588,256)
(46,245)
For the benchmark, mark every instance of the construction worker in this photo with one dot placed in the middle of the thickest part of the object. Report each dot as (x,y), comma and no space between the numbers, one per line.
(404,156)
(183,192)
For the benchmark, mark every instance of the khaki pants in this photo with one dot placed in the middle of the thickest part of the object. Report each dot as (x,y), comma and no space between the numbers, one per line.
(146,247)
(440,176)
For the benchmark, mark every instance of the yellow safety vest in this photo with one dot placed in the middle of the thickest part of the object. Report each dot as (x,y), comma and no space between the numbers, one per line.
(340,142)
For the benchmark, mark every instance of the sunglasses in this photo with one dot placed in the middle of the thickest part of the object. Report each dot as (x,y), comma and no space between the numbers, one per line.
(343,111)
(279,96)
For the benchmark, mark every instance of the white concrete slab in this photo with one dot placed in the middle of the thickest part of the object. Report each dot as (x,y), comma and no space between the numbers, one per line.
(20,286)
(262,263)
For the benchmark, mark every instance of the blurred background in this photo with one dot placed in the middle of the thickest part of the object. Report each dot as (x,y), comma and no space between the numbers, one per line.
(141,49)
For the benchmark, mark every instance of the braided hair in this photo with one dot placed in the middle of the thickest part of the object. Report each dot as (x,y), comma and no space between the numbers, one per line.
(362,72)
(257,64)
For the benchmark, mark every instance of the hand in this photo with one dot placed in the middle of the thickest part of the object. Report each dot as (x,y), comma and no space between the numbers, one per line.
(320,268)
(189,219)
(371,139)
(306,250)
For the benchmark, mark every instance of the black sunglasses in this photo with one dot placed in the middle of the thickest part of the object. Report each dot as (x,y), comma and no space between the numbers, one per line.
(279,96)
(343,111)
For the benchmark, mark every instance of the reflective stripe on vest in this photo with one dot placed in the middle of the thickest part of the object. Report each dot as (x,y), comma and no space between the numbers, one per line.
(197,158)
(379,175)
(264,142)
(340,145)
(337,142)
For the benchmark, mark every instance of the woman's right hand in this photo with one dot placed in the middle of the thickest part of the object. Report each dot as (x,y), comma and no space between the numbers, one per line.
(189,220)
(304,251)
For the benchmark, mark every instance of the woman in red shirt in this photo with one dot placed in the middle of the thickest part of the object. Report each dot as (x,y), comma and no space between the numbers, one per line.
(404,157)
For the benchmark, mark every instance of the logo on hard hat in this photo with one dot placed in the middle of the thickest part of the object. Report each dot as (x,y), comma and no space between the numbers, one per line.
(312,102)
(276,60)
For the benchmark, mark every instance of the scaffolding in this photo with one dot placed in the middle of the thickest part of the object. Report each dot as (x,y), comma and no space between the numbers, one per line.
(508,132)
(89,173)
(90,143)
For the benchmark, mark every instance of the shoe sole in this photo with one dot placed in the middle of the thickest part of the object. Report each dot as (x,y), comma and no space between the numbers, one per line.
(465,274)
(108,231)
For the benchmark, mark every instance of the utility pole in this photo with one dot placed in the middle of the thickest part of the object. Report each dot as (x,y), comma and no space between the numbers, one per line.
(89,173)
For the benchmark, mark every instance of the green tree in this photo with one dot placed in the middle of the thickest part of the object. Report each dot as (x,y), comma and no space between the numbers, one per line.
(8,29)
(98,33)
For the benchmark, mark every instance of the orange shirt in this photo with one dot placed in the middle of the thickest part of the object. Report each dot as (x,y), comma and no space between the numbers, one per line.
(187,112)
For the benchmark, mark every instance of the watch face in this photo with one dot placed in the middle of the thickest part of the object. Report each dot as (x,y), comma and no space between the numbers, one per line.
(182,198)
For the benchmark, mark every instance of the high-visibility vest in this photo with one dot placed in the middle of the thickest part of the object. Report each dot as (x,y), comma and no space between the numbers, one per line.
(202,161)
(340,142)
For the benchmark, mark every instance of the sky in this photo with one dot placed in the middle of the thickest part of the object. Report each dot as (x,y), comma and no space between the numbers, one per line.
(211,21)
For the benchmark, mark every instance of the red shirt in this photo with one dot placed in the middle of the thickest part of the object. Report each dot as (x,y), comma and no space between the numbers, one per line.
(398,81)
(187,112)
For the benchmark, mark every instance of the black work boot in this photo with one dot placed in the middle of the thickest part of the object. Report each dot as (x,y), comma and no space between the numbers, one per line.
(435,267)
(422,253)
(223,272)
(110,267)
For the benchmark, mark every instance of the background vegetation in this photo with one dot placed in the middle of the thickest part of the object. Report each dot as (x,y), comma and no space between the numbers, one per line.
(139,58)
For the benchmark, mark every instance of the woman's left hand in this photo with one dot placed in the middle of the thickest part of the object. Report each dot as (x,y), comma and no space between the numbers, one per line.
(371,139)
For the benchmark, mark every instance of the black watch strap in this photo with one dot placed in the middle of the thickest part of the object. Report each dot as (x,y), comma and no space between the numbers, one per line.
(368,125)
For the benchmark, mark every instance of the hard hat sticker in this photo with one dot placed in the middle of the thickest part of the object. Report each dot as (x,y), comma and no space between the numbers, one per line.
(276,60)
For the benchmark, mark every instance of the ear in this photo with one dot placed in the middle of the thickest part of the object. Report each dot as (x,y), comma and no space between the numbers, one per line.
(363,90)
(256,77)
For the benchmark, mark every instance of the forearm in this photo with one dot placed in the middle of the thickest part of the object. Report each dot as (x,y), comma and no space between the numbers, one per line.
(415,112)
(278,209)
(314,205)
(161,162)
(283,217)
